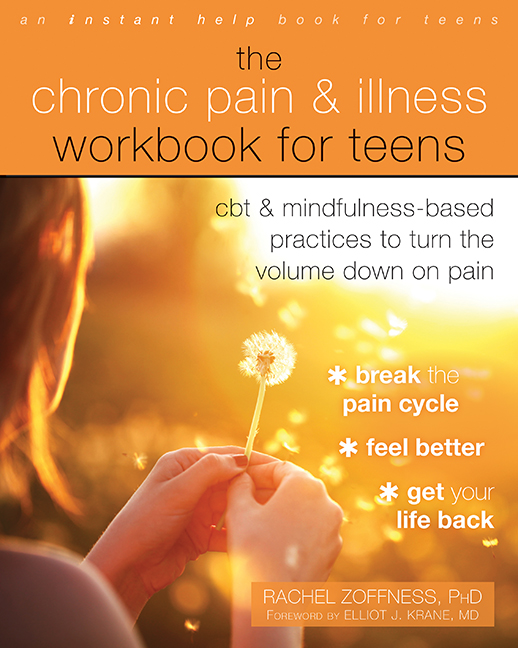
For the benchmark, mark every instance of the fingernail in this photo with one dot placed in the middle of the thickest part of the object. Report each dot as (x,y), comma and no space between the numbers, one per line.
(241,460)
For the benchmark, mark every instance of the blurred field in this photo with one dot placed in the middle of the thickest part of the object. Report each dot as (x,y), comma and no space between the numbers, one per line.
(171,300)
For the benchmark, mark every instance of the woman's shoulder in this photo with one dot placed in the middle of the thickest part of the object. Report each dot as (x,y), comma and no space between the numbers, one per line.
(47,598)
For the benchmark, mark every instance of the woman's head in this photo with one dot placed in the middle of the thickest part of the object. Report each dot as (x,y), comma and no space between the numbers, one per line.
(45,247)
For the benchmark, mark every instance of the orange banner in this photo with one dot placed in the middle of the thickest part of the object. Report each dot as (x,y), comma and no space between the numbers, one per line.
(284,89)
(373,604)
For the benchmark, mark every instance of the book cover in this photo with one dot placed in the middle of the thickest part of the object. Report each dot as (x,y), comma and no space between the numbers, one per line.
(338,174)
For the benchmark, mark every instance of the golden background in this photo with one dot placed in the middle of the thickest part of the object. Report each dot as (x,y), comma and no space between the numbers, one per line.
(171,299)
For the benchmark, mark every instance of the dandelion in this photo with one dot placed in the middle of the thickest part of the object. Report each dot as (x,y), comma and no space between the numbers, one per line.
(269,358)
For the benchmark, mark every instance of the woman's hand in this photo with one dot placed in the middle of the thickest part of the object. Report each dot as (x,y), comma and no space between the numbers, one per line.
(168,522)
(282,526)
(282,522)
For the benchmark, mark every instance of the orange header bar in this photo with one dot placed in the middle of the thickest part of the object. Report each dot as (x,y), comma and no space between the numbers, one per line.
(282,89)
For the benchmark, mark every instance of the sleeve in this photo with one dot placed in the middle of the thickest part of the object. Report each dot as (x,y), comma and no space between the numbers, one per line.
(51,602)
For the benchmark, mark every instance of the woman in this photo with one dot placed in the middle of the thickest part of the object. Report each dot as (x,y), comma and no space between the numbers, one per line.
(274,510)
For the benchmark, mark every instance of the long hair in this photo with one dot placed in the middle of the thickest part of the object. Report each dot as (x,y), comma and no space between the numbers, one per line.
(45,247)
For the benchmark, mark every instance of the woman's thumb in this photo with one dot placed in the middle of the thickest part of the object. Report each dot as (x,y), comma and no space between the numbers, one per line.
(208,471)
(240,495)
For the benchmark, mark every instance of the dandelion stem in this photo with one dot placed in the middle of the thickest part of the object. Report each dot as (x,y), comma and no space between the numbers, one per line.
(257,415)
(252,434)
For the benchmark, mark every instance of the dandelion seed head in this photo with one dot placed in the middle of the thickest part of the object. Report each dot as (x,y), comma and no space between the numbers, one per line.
(192,625)
(490,542)
(294,449)
(269,356)
(139,461)
(282,439)
(264,361)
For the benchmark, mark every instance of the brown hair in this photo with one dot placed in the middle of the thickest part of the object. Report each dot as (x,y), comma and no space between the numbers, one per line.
(45,246)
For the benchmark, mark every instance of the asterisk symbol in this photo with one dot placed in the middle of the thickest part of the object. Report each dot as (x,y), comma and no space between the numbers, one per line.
(337,375)
(349,447)
(388,492)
